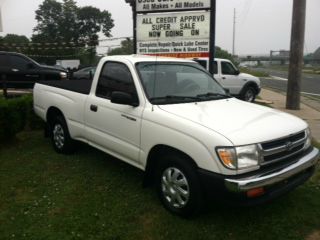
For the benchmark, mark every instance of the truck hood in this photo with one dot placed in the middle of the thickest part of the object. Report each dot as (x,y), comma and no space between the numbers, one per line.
(242,123)
(247,76)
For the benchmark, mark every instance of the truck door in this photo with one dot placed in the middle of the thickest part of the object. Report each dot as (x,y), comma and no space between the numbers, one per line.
(112,127)
(4,66)
(23,73)
(228,77)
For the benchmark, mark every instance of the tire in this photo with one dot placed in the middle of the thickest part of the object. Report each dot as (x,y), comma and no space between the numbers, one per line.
(248,94)
(178,186)
(60,136)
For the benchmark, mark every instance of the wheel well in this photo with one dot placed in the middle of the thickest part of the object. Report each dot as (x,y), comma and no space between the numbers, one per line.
(52,113)
(250,84)
(154,158)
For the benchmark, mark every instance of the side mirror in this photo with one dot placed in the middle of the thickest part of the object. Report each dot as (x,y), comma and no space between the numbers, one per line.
(123,99)
(237,72)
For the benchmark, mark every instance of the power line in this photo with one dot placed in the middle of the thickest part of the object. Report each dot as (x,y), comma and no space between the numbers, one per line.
(81,43)
(245,12)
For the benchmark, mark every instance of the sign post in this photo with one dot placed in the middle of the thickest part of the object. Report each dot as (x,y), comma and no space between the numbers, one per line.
(176,28)
(212,36)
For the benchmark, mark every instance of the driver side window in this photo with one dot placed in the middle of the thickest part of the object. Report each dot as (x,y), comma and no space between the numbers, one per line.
(19,63)
(115,77)
(228,69)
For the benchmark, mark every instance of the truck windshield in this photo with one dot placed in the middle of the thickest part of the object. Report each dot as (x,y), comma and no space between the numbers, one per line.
(172,82)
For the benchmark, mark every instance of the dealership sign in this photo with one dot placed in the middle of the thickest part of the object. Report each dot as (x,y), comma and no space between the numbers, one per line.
(174,28)
(171,5)
(182,34)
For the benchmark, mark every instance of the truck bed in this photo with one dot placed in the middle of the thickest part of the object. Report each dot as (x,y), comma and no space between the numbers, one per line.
(79,86)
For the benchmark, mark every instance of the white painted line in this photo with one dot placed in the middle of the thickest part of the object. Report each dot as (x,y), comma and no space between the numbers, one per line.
(279,78)
(312,94)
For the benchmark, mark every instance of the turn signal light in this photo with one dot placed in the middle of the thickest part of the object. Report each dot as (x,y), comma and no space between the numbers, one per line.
(256,192)
(228,157)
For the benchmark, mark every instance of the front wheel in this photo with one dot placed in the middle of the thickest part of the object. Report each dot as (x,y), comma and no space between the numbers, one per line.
(60,136)
(178,186)
(249,94)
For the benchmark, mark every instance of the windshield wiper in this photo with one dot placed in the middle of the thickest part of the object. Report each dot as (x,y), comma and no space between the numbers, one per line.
(176,97)
(211,94)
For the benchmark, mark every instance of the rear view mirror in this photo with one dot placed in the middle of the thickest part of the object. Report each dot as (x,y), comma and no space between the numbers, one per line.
(123,98)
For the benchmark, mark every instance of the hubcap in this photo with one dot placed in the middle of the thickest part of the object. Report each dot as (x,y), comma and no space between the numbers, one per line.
(249,96)
(58,136)
(175,187)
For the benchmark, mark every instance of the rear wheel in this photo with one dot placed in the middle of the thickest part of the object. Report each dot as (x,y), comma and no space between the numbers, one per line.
(178,186)
(249,94)
(60,136)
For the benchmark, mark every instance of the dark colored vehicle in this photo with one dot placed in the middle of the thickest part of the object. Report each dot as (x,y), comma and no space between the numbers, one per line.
(84,73)
(23,72)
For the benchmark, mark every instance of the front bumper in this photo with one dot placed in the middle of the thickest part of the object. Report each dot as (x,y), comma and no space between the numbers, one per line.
(275,181)
(267,179)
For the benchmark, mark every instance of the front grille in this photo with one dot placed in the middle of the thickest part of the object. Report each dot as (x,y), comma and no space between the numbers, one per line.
(282,141)
(283,149)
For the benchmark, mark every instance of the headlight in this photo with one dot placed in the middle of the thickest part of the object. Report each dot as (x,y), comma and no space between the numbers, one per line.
(63,75)
(309,139)
(238,158)
(248,156)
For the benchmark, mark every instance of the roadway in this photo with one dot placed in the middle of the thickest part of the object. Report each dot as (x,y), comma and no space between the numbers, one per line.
(278,79)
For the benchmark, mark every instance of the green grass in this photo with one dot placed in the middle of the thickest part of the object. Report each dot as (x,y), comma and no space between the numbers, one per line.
(312,97)
(254,72)
(316,144)
(90,195)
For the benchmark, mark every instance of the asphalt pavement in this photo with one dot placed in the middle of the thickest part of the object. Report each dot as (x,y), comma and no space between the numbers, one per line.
(278,80)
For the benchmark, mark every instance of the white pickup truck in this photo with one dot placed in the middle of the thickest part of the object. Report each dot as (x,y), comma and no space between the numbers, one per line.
(171,119)
(241,85)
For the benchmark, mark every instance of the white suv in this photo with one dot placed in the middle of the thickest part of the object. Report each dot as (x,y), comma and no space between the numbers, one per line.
(242,85)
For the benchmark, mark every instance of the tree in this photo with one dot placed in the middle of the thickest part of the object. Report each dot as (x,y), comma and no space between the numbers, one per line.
(10,39)
(125,49)
(14,38)
(70,26)
(69,23)
(49,18)
(220,53)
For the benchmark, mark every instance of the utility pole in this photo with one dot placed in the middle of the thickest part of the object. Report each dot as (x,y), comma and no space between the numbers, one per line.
(234,32)
(296,54)
(1,27)
(212,51)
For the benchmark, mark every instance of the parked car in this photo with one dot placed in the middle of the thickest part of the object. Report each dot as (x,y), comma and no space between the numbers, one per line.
(84,74)
(171,119)
(23,72)
(241,85)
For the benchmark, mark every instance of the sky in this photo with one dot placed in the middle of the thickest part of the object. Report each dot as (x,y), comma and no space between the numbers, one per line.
(262,25)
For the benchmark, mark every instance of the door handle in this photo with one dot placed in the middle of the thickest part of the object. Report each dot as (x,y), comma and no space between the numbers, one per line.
(94,108)
(223,77)
(15,70)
